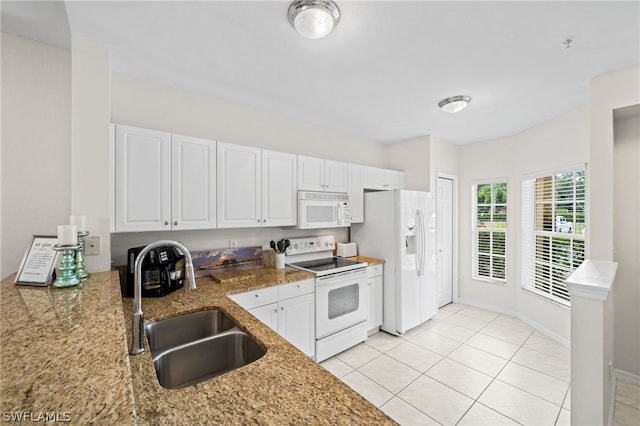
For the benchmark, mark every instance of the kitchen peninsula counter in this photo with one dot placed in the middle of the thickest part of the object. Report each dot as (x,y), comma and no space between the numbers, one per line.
(65,351)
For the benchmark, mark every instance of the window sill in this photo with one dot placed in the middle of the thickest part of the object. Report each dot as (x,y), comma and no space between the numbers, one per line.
(490,280)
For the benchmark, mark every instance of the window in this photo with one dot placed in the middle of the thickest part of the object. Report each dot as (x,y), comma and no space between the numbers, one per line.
(490,230)
(553,226)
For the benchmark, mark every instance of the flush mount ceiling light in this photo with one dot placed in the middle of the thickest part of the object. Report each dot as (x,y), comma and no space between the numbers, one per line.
(313,18)
(454,103)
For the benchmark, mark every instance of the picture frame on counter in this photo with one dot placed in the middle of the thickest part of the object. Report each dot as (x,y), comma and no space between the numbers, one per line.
(39,262)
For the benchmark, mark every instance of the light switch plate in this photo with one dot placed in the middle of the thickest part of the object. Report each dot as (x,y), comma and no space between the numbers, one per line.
(92,245)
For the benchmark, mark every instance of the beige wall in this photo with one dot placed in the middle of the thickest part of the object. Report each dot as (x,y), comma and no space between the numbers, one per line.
(560,142)
(90,144)
(626,243)
(412,157)
(146,104)
(606,93)
(36,143)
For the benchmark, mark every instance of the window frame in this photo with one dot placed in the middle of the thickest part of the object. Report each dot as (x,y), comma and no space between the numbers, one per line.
(476,230)
(542,266)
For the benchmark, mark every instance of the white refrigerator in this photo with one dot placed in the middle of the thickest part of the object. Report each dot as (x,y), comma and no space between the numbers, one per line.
(400,228)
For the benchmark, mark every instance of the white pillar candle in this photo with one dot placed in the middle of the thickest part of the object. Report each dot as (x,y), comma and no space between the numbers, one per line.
(67,235)
(79,221)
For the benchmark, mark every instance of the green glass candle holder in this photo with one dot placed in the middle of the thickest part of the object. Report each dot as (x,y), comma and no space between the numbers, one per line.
(67,276)
(80,271)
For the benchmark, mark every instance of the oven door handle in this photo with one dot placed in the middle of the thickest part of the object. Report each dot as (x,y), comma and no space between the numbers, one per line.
(326,280)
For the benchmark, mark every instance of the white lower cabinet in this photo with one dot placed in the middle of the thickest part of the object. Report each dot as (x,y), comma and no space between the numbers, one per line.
(288,309)
(374,285)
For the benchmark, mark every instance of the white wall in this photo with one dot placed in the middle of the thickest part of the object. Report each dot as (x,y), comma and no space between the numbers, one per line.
(626,243)
(36,143)
(562,141)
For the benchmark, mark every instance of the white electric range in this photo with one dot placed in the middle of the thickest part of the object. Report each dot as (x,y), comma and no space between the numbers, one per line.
(342,305)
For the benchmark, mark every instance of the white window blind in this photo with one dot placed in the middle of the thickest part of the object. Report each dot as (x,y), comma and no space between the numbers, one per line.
(553,228)
(490,230)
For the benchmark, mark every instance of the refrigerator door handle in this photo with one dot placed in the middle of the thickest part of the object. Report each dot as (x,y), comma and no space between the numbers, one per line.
(420,249)
(423,241)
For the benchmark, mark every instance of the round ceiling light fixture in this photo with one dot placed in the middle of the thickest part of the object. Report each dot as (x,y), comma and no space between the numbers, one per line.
(313,18)
(454,103)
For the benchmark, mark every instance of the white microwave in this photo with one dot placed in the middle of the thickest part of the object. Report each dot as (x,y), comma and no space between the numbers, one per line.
(323,210)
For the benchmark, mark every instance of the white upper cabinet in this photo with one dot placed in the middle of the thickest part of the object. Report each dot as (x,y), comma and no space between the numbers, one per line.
(383,179)
(193,183)
(163,181)
(239,186)
(315,174)
(356,193)
(142,178)
(279,188)
(255,187)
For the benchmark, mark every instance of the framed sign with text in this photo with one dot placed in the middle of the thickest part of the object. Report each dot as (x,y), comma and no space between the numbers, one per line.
(39,262)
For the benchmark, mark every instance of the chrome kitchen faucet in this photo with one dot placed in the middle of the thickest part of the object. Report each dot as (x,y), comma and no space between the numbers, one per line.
(137,322)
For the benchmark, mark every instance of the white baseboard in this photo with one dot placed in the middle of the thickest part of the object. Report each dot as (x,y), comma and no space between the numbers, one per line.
(501,310)
(619,374)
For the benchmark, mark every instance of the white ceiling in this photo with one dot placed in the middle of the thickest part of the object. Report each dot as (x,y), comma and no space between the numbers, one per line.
(380,75)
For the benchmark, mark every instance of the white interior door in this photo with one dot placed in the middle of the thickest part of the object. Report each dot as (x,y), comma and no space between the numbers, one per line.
(444,257)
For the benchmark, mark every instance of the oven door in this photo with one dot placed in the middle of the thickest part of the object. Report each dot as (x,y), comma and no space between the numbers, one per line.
(341,302)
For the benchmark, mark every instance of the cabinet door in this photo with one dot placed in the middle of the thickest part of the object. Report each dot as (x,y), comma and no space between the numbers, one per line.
(267,314)
(279,188)
(142,172)
(239,187)
(193,194)
(296,322)
(374,178)
(336,176)
(356,193)
(375,301)
(310,173)
(395,179)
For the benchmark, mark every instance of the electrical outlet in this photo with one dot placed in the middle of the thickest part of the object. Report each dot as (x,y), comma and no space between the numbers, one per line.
(92,245)
(233,244)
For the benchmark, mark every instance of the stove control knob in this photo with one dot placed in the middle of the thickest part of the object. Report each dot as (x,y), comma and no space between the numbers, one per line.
(295,246)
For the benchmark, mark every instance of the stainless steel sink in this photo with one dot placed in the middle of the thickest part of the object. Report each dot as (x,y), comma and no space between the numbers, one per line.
(196,347)
(176,331)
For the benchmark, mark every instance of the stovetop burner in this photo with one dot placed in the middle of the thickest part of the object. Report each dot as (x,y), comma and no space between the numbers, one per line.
(314,254)
(326,264)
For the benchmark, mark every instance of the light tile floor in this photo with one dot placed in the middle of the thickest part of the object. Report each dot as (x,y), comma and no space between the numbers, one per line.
(467,366)
(627,405)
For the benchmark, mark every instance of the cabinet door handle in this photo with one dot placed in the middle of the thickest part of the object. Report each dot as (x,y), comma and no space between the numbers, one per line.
(257,294)
(166,222)
(175,223)
(282,308)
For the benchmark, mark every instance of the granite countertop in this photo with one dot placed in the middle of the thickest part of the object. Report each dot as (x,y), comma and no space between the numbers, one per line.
(369,260)
(65,351)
